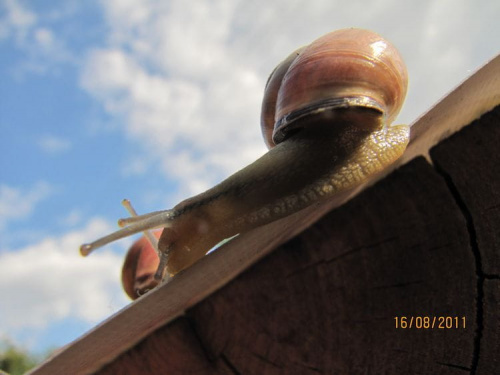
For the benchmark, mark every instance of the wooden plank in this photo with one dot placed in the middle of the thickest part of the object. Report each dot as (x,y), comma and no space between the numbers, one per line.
(469,160)
(326,301)
(470,164)
(474,97)
(151,356)
(155,309)
(488,361)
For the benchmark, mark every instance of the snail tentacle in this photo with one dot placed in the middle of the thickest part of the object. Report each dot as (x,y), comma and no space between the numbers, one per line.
(125,221)
(158,220)
(147,233)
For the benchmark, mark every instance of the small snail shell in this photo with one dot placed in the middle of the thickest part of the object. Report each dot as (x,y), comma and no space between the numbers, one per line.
(325,118)
(350,67)
(139,268)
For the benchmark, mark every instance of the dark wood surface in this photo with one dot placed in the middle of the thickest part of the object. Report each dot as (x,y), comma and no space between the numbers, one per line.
(423,242)
(470,163)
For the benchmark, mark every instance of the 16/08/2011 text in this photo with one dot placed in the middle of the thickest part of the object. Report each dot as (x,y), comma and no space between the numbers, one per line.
(429,322)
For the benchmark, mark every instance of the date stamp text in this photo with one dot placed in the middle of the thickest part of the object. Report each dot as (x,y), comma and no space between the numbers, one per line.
(430,322)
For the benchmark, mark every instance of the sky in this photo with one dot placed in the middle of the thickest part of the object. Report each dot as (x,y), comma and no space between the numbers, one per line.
(155,101)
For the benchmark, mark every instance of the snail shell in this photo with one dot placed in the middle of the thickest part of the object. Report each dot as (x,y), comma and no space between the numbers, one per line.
(139,267)
(345,68)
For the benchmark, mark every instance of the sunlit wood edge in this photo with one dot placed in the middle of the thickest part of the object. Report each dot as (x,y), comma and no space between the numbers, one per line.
(475,96)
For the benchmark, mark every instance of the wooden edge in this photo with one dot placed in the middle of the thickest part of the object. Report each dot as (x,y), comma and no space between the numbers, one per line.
(475,96)
(124,329)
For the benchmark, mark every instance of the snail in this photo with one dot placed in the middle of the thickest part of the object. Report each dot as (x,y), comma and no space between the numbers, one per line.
(326,119)
(139,267)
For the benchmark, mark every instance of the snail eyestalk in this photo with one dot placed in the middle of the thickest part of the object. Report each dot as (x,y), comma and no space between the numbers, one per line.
(160,272)
(126,221)
(147,233)
(149,221)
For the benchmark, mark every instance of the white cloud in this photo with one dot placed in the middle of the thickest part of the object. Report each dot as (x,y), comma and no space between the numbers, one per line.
(17,204)
(74,217)
(51,144)
(44,37)
(188,80)
(17,20)
(43,48)
(49,281)
(180,87)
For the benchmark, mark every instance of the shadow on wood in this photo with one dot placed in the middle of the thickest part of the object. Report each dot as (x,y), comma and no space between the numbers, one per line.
(423,242)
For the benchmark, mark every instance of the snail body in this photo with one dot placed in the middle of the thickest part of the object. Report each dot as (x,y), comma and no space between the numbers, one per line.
(326,118)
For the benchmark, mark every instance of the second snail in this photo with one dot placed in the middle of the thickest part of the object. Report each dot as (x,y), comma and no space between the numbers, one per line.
(326,118)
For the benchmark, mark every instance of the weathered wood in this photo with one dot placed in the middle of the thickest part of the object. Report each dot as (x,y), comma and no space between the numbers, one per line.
(326,300)
(470,163)
(489,359)
(149,356)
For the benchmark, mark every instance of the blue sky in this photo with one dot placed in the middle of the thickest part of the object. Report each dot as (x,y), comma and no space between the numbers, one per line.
(156,101)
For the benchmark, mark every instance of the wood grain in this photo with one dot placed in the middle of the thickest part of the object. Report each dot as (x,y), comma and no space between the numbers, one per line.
(372,266)
(325,301)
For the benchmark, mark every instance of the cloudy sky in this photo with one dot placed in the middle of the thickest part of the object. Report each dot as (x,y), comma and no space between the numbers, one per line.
(155,101)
